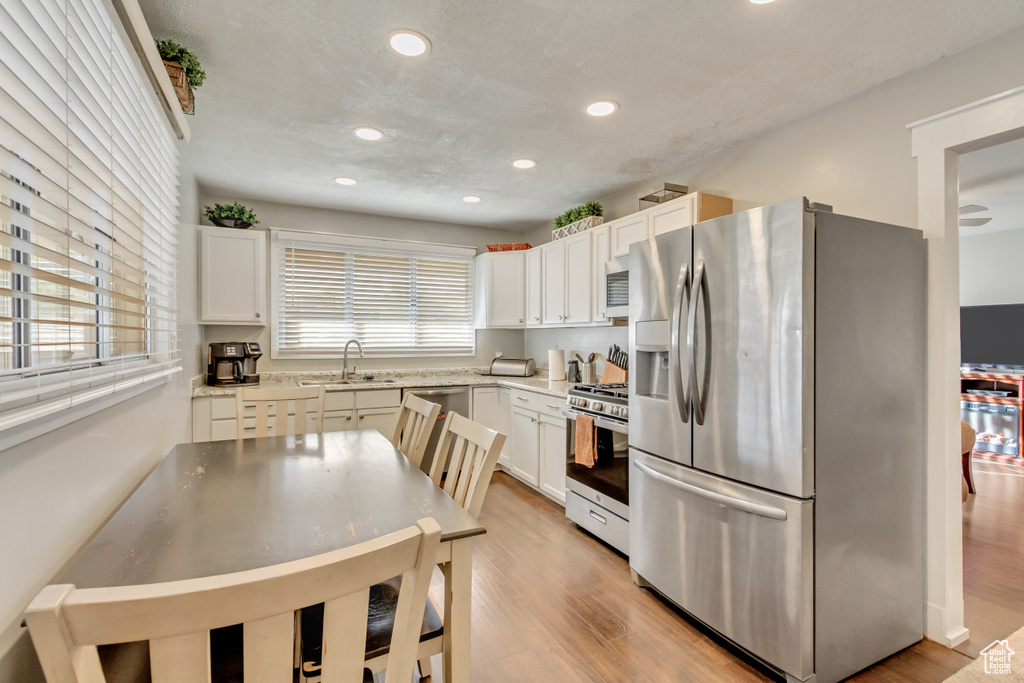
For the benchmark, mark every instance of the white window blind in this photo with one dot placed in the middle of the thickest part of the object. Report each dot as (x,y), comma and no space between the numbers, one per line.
(396,298)
(88,211)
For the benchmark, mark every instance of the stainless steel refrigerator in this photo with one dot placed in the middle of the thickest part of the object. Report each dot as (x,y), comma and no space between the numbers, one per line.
(776,433)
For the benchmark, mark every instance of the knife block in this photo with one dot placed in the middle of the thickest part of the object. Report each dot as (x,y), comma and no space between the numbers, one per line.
(613,374)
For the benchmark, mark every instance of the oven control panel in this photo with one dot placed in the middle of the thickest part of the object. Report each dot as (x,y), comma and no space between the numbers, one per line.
(596,406)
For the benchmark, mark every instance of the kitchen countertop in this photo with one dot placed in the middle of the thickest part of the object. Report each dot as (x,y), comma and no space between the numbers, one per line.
(400,380)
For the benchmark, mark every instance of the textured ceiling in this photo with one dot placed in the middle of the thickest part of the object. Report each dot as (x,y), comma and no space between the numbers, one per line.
(994,178)
(288,81)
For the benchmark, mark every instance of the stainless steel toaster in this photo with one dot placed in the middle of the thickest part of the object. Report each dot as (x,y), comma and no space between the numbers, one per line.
(513,367)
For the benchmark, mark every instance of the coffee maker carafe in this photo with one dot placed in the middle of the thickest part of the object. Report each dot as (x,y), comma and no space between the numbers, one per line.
(233,363)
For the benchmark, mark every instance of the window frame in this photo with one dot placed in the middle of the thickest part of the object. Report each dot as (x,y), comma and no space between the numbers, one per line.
(368,245)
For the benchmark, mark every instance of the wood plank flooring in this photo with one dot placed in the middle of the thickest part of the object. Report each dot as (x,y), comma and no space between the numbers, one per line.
(551,603)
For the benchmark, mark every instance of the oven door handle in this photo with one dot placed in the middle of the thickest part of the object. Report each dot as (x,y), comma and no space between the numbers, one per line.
(598,422)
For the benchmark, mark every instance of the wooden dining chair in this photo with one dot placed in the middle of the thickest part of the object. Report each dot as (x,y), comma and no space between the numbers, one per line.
(415,425)
(280,398)
(66,624)
(474,451)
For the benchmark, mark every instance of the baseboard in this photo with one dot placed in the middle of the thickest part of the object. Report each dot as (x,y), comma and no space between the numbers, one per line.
(935,620)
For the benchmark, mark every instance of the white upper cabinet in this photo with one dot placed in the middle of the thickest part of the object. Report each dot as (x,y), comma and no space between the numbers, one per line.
(500,290)
(232,276)
(626,231)
(673,215)
(552,258)
(579,270)
(601,254)
(534,292)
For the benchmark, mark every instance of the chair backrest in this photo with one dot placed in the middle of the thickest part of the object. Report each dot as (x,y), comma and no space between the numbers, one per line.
(66,624)
(262,398)
(415,425)
(475,450)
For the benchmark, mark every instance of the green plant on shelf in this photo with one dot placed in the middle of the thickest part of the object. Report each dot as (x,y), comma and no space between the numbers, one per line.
(172,52)
(230,212)
(578,214)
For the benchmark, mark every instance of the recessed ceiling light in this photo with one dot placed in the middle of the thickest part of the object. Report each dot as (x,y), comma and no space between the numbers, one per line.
(602,108)
(761,2)
(524,163)
(368,133)
(342,180)
(409,43)
(471,199)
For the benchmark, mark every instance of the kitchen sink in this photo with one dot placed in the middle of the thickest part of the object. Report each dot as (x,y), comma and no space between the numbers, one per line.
(336,382)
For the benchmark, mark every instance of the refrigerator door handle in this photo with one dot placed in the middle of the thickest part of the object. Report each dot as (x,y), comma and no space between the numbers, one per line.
(715,497)
(700,399)
(675,367)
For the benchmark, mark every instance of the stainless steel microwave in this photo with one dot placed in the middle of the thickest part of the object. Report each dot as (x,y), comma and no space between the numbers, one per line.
(616,288)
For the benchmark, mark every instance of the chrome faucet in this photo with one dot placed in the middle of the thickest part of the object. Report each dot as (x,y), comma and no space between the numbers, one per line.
(344,371)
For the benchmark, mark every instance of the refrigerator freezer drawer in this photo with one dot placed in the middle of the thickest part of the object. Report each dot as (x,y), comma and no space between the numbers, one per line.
(739,559)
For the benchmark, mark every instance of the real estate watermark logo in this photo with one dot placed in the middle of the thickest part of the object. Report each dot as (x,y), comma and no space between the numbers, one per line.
(997,657)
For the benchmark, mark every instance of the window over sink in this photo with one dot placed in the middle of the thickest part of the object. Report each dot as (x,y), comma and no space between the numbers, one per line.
(397,298)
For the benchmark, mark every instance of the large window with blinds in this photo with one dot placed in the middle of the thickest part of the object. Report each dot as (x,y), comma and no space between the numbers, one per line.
(88,211)
(396,298)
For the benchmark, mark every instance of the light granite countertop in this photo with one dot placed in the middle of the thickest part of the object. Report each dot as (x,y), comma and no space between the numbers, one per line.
(398,379)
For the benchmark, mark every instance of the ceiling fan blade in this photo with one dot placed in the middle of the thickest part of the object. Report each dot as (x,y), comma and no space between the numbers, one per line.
(972,208)
(973,222)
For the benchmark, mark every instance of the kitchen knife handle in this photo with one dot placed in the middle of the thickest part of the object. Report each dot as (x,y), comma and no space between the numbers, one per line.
(675,370)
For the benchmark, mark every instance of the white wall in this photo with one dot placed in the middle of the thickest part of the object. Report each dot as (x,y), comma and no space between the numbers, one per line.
(272,214)
(990,271)
(854,155)
(57,489)
(581,340)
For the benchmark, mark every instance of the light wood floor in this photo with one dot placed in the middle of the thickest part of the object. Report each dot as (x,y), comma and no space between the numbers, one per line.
(551,603)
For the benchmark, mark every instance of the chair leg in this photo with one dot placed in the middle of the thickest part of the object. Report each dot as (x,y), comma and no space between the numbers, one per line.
(968,471)
(425,667)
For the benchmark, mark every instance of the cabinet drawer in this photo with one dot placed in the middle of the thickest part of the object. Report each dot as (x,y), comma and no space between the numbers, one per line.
(339,420)
(379,398)
(550,405)
(524,399)
(223,408)
(339,400)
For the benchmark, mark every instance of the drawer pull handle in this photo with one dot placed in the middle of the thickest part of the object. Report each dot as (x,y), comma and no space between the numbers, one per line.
(598,517)
(520,398)
(348,417)
(552,407)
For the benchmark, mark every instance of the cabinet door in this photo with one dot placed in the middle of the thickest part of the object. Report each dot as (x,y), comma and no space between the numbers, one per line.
(578,278)
(505,405)
(534,289)
(232,276)
(552,257)
(505,305)
(552,456)
(626,231)
(525,449)
(339,420)
(675,215)
(600,256)
(381,419)
(487,410)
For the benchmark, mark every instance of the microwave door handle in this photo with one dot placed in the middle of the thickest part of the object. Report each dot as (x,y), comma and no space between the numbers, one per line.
(700,398)
(713,496)
(675,366)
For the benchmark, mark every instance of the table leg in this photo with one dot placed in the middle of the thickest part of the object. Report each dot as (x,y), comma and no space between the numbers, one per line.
(458,592)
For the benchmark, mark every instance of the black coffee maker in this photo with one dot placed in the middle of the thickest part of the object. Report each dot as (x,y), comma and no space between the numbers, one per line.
(232,363)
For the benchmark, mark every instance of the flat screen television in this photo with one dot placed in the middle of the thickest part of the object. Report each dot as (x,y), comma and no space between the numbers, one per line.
(992,335)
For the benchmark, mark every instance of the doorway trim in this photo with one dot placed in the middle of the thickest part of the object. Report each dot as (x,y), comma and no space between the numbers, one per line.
(937,143)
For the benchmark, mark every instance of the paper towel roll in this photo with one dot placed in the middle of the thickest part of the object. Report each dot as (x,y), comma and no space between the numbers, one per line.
(556,365)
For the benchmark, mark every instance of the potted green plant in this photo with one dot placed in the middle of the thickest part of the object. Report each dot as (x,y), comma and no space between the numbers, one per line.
(578,219)
(231,215)
(185,71)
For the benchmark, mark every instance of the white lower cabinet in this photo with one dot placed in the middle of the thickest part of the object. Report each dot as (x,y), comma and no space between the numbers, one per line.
(525,447)
(214,418)
(552,456)
(492,408)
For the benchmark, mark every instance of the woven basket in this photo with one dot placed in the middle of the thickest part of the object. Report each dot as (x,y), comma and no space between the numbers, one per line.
(509,246)
(181,86)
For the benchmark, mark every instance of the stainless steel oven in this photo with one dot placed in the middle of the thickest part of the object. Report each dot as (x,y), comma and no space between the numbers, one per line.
(597,498)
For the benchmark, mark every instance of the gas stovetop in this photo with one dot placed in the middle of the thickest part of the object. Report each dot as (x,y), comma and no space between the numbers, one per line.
(610,400)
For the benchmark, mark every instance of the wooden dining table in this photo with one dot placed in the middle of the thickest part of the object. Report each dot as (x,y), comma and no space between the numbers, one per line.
(227,506)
